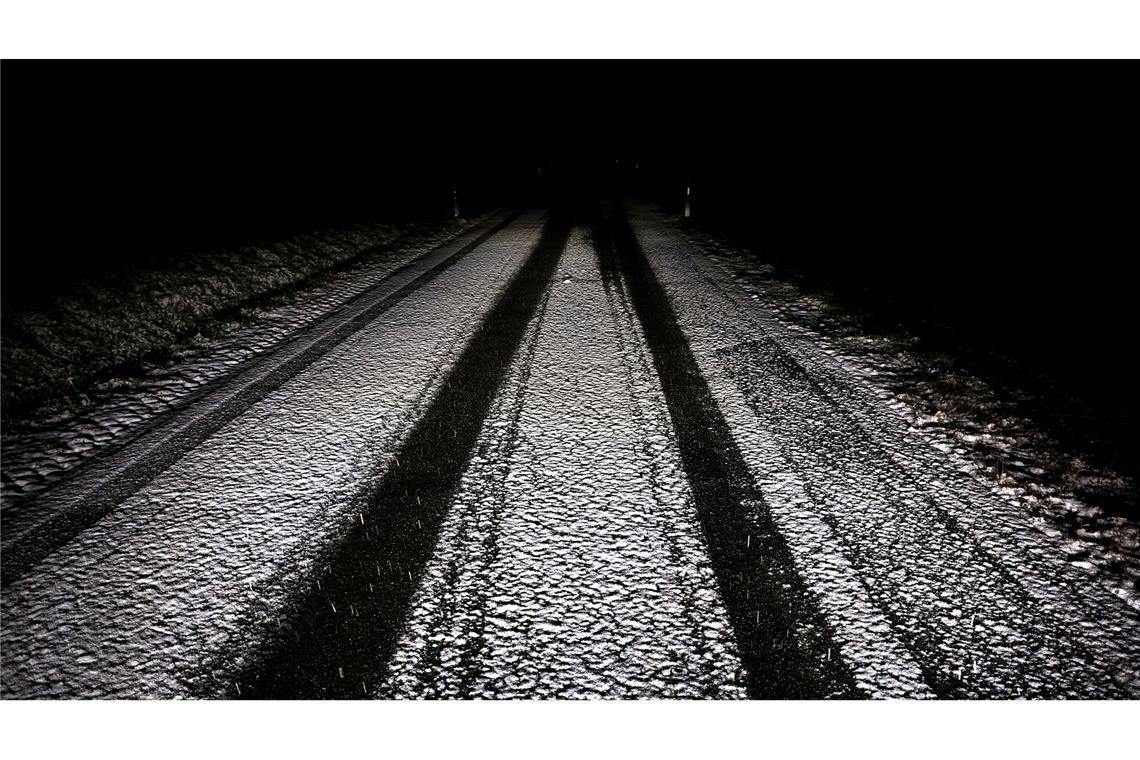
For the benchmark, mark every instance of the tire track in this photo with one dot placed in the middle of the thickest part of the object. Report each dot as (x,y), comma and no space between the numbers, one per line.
(338,636)
(959,598)
(572,563)
(786,646)
(170,594)
(480,535)
(37,527)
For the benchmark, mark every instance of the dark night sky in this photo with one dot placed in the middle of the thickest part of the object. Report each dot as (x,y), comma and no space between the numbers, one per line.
(1004,195)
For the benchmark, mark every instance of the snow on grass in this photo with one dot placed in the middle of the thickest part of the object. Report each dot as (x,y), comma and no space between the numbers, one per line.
(110,328)
(999,427)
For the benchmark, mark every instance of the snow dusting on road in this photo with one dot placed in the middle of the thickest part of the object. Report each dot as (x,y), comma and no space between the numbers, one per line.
(572,564)
(645,512)
(177,582)
(931,582)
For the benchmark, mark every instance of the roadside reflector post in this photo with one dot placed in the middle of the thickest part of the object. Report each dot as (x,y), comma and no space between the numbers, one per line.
(454,201)
(688,205)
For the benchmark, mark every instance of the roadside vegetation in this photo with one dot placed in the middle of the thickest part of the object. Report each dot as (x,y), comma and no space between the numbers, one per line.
(117,325)
(1068,460)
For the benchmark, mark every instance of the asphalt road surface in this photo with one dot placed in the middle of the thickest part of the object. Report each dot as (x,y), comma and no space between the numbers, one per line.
(559,457)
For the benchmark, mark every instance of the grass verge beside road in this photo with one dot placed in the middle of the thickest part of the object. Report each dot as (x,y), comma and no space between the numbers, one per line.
(104,330)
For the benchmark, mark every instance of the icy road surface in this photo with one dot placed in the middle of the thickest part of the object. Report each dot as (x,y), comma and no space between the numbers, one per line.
(650,488)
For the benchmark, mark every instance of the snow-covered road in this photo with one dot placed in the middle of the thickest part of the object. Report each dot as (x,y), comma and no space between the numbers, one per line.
(930,583)
(175,584)
(574,462)
(572,562)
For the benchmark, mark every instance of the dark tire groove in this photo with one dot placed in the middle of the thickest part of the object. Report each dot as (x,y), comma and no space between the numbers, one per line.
(30,549)
(338,635)
(784,642)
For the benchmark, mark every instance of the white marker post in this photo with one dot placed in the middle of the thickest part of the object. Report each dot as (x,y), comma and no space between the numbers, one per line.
(454,201)
(688,206)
